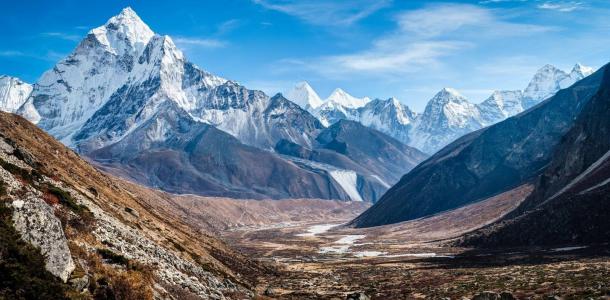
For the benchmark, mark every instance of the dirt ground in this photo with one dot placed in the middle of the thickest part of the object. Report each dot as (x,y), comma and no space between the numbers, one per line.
(416,260)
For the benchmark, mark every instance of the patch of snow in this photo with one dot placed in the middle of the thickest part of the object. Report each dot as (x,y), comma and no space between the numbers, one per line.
(348,180)
(563,249)
(344,99)
(350,239)
(317,229)
(343,243)
(369,253)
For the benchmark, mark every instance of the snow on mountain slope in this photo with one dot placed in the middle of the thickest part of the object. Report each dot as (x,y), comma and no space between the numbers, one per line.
(119,74)
(500,105)
(305,96)
(548,80)
(344,99)
(388,116)
(543,85)
(447,116)
(444,122)
(13,93)
(349,182)
(578,72)
(109,97)
(67,95)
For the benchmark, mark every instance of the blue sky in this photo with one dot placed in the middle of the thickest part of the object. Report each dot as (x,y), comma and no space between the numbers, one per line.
(383,48)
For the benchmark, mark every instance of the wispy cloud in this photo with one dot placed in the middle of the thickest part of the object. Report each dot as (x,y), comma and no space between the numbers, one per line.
(228,26)
(62,36)
(11,53)
(561,6)
(472,20)
(421,40)
(199,42)
(48,56)
(324,12)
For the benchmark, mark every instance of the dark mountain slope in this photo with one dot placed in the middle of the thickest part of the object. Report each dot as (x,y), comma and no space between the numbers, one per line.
(349,147)
(571,202)
(200,159)
(375,151)
(485,162)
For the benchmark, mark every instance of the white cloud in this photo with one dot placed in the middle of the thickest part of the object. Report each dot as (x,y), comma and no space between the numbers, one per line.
(561,6)
(11,53)
(63,36)
(401,58)
(436,20)
(324,12)
(199,42)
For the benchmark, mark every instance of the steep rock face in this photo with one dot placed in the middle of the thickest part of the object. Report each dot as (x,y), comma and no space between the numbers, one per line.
(35,220)
(67,95)
(447,116)
(570,204)
(485,162)
(13,93)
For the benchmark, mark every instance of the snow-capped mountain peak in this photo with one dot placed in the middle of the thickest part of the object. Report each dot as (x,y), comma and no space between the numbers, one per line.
(305,96)
(124,31)
(13,93)
(501,105)
(581,70)
(544,84)
(344,99)
(447,95)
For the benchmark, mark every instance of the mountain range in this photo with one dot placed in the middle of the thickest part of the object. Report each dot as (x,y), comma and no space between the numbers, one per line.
(570,202)
(489,161)
(128,99)
(446,117)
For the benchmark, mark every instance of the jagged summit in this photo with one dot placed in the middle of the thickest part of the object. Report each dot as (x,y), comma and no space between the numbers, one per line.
(447,95)
(13,93)
(124,27)
(339,96)
(305,96)
(579,68)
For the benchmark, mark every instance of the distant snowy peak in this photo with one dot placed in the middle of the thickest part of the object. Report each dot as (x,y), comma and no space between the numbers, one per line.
(305,96)
(13,93)
(578,72)
(123,32)
(544,84)
(447,116)
(339,96)
(549,79)
(450,106)
(501,105)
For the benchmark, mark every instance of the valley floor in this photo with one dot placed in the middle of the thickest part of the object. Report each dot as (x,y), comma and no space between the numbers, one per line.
(412,260)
